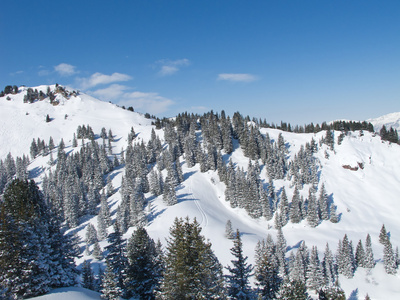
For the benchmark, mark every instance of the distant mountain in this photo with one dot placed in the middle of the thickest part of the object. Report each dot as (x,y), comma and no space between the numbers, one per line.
(389,120)
(360,173)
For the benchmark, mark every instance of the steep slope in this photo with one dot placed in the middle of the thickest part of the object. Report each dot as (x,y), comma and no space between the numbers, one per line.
(361,176)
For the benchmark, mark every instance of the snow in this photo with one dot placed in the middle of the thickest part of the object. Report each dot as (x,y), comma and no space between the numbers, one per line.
(389,120)
(75,293)
(365,198)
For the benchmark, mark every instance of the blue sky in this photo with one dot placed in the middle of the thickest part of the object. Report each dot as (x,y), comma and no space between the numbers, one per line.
(296,61)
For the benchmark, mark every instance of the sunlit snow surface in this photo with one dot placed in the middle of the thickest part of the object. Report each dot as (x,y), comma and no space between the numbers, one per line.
(365,198)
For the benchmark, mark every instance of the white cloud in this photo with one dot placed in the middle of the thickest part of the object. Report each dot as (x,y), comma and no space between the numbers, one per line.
(237,77)
(98,78)
(65,69)
(169,67)
(152,103)
(44,72)
(148,102)
(113,92)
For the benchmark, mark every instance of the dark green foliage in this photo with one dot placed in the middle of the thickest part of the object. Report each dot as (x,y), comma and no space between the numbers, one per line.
(144,267)
(192,271)
(238,280)
(292,290)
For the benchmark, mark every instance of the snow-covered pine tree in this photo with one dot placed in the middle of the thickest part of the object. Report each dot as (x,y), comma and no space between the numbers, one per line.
(111,289)
(383,236)
(312,209)
(344,259)
(369,256)
(328,267)
(169,194)
(294,211)
(87,280)
(266,270)
(33,257)
(284,207)
(389,261)
(116,258)
(334,217)
(97,253)
(314,274)
(360,255)
(91,234)
(292,289)
(238,284)
(323,203)
(228,230)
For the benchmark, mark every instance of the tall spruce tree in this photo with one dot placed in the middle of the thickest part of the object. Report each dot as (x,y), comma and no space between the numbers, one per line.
(143,271)
(238,279)
(192,271)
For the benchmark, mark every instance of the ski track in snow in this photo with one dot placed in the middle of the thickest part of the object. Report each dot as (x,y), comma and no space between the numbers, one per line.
(204,221)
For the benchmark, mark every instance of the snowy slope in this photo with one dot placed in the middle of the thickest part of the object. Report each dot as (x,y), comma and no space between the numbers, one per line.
(389,120)
(366,198)
(71,293)
(21,122)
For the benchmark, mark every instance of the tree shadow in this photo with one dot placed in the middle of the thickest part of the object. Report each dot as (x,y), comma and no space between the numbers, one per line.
(187,175)
(296,246)
(35,172)
(353,295)
(154,214)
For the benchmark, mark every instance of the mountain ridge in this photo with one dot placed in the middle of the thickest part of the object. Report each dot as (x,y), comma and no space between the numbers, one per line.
(365,193)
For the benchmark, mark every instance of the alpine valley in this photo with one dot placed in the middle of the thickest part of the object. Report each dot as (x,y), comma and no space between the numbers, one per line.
(315,205)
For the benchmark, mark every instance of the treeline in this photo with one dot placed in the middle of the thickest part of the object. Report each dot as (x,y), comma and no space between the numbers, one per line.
(188,268)
(33,94)
(390,135)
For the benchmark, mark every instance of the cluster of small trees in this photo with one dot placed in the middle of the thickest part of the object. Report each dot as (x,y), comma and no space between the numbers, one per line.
(12,168)
(390,135)
(9,90)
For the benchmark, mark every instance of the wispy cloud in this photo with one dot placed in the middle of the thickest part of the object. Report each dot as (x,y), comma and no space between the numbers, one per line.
(145,102)
(99,78)
(65,69)
(169,67)
(148,102)
(237,77)
(16,73)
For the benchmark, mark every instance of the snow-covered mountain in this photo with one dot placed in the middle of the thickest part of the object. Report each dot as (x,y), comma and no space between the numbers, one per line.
(389,120)
(361,176)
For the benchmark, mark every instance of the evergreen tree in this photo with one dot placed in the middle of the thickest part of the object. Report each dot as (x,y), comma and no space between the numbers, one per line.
(312,211)
(33,251)
(97,252)
(192,271)
(389,261)
(87,276)
(144,270)
(314,273)
(292,290)
(369,256)
(111,289)
(383,236)
(238,280)
(360,255)
(294,212)
(267,270)
(228,230)
(116,258)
